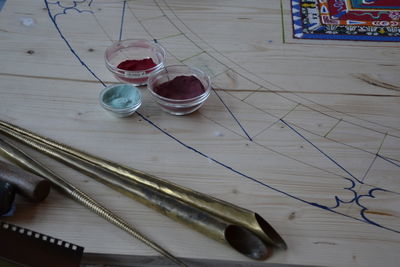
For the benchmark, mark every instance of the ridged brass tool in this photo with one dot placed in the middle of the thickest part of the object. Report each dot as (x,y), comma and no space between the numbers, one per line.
(242,229)
(30,164)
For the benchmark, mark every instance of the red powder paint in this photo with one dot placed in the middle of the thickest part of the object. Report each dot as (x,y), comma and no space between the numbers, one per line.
(180,88)
(137,65)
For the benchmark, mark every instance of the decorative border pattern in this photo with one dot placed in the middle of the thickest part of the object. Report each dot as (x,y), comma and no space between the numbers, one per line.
(338,20)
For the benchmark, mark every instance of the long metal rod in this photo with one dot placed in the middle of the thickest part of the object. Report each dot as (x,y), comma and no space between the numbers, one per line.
(63,185)
(224,210)
(233,235)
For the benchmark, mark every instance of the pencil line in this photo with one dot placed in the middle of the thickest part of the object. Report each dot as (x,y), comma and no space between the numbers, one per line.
(275,85)
(331,129)
(370,194)
(122,21)
(383,140)
(283,23)
(317,148)
(388,160)
(233,116)
(369,168)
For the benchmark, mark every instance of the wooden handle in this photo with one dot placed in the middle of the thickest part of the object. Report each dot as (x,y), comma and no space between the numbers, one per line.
(31,186)
(7,194)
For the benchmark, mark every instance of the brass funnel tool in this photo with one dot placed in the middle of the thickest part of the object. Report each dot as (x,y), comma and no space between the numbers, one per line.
(30,164)
(242,229)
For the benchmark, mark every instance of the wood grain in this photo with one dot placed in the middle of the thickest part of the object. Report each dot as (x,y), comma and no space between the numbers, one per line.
(323,118)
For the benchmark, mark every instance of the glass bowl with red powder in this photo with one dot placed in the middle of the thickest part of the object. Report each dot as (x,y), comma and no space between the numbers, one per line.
(132,60)
(179,89)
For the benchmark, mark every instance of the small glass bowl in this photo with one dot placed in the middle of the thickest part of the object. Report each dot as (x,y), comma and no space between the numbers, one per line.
(131,49)
(121,100)
(181,106)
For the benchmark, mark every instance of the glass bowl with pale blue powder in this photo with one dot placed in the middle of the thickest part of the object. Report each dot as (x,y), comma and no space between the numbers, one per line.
(121,100)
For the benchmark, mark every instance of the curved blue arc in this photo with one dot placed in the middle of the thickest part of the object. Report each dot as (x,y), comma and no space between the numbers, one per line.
(355,199)
(351,189)
(68,44)
(60,5)
(71,8)
(364,209)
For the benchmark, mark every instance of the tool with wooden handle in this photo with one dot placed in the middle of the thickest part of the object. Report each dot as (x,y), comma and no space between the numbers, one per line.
(7,194)
(31,186)
(64,186)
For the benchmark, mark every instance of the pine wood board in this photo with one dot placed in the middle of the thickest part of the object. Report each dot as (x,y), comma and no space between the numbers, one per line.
(340,99)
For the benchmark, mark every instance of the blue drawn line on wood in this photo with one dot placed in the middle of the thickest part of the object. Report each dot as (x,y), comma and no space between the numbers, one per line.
(66,8)
(355,199)
(369,168)
(219,162)
(2,2)
(122,21)
(320,150)
(75,3)
(68,44)
(351,189)
(203,51)
(234,117)
(90,3)
(365,219)
(364,209)
(64,12)
(388,160)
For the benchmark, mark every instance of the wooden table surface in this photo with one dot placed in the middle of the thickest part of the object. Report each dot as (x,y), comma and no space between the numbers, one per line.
(304,132)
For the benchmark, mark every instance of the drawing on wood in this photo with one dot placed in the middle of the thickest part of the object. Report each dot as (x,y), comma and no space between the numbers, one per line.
(362,20)
(276,113)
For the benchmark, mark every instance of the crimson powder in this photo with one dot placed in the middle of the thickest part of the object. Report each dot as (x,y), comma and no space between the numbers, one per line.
(137,64)
(180,88)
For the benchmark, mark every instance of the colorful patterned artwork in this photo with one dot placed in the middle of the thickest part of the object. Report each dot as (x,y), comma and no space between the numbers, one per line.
(368,20)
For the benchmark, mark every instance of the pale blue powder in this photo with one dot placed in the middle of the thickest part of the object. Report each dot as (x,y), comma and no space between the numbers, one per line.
(122,96)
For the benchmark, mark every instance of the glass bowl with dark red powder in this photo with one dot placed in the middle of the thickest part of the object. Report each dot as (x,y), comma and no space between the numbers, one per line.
(132,61)
(179,89)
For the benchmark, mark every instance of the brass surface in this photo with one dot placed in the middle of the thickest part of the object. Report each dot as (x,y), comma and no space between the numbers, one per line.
(216,218)
(25,161)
